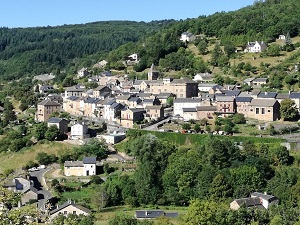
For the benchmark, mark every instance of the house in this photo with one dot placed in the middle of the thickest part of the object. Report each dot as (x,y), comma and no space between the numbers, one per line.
(154,112)
(264,109)
(86,167)
(111,109)
(112,138)
(242,104)
(256,200)
(90,107)
(43,89)
(249,81)
(44,77)
(29,196)
(203,77)
(152,214)
(181,103)
(282,96)
(295,96)
(18,185)
(55,98)
(83,72)
(182,88)
(45,109)
(129,116)
(69,207)
(74,91)
(226,105)
(255,47)
(258,82)
(62,124)
(132,59)
(100,64)
(281,37)
(163,97)
(79,131)
(187,37)
(102,92)
(207,112)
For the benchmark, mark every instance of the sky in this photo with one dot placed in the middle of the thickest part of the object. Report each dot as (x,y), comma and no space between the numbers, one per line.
(32,13)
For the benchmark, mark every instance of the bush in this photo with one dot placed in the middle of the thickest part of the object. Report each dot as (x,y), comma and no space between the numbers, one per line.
(7,172)
(46,159)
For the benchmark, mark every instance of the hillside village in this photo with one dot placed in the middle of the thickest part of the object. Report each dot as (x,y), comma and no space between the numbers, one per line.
(183,123)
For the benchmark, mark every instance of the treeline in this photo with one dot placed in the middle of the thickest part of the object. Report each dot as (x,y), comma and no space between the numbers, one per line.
(43,49)
(214,172)
(263,21)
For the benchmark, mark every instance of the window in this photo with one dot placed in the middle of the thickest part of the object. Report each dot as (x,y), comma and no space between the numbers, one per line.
(65,212)
(262,110)
(74,212)
(269,110)
(256,110)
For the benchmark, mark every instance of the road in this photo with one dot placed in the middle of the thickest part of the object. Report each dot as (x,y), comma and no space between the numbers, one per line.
(43,194)
(154,126)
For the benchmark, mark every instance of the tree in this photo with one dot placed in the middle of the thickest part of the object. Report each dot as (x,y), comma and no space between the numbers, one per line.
(52,133)
(170,101)
(288,110)
(45,159)
(40,130)
(202,47)
(197,128)
(186,126)
(229,49)
(123,219)
(92,148)
(99,198)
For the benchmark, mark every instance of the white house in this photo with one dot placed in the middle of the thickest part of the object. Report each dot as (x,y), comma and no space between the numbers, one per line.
(281,37)
(79,131)
(255,47)
(180,103)
(207,87)
(187,37)
(83,72)
(203,77)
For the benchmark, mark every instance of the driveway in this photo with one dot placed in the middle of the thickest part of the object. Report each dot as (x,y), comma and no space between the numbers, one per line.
(38,181)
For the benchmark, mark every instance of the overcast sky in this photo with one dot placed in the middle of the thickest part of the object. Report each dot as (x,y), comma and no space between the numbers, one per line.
(30,13)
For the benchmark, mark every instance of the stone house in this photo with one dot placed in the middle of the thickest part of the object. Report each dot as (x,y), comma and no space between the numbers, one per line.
(83,72)
(29,195)
(86,167)
(187,37)
(154,112)
(45,109)
(74,91)
(255,47)
(226,105)
(69,207)
(130,116)
(203,77)
(102,91)
(264,109)
(242,104)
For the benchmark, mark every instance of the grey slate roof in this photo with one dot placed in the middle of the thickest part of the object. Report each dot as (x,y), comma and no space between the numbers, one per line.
(267,95)
(243,99)
(189,109)
(151,214)
(55,120)
(225,99)
(48,102)
(73,98)
(210,108)
(249,202)
(233,93)
(184,100)
(282,95)
(89,160)
(263,196)
(73,164)
(263,102)
(295,95)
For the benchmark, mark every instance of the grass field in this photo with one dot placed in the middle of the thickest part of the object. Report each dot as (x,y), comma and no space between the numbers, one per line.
(15,160)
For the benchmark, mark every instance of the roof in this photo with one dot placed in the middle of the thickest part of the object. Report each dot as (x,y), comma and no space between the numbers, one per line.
(92,100)
(282,95)
(225,99)
(151,214)
(187,100)
(134,99)
(48,102)
(73,164)
(183,80)
(73,98)
(153,107)
(263,196)
(249,202)
(233,93)
(189,109)
(89,160)
(243,99)
(68,203)
(55,120)
(75,88)
(267,95)
(263,102)
(207,108)
(260,79)
(164,95)
(295,95)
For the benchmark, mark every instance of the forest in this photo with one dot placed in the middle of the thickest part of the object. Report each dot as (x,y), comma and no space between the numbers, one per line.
(25,51)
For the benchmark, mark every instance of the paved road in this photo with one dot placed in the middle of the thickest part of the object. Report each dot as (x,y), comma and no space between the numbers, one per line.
(154,126)
(43,193)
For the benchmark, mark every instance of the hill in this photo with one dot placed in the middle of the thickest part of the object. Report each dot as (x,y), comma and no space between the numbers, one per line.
(39,50)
